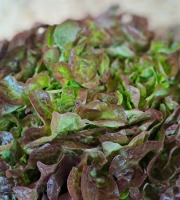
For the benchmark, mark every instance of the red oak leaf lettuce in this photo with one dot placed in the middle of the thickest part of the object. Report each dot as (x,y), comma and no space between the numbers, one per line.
(89,110)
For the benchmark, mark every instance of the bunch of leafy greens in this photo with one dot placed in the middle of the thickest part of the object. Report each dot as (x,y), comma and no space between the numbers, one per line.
(89,110)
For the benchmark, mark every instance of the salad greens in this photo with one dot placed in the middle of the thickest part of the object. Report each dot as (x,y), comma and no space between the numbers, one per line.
(89,110)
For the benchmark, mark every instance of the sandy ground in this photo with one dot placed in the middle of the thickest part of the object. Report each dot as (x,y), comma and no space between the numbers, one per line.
(18,15)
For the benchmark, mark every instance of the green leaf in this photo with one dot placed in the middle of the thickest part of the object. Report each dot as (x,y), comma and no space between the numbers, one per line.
(63,73)
(124,195)
(68,97)
(122,51)
(66,123)
(7,122)
(161,46)
(49,36)
(110,147)
(66,33)
(51,56)
(120,97)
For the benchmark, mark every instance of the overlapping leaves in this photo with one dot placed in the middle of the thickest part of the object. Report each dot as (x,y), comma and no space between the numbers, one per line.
(89,110)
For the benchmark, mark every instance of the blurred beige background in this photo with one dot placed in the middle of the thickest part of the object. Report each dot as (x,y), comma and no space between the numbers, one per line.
(18,15)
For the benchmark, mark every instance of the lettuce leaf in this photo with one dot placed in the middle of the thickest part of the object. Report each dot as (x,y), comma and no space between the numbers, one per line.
(90,109)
